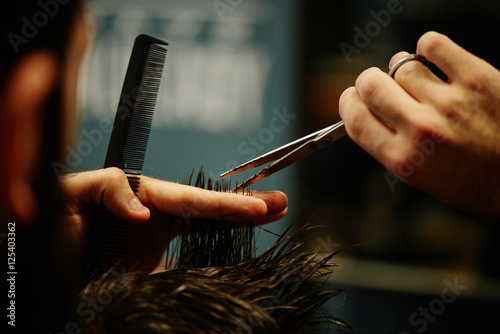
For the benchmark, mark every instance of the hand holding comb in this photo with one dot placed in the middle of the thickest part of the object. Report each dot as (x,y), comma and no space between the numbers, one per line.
(108,235)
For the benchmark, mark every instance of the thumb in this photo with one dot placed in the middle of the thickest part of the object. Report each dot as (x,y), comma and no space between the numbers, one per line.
(109,188)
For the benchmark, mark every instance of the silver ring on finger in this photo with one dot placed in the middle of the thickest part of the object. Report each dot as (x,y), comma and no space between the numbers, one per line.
(406,59)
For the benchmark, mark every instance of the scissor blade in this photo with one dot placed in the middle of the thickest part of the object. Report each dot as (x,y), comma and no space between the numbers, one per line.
(298,154)
(274,154)
(321,140)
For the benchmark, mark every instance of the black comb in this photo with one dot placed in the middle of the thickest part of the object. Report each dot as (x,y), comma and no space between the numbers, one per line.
(108,235)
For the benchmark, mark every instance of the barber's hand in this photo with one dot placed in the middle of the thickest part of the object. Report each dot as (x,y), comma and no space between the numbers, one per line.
(157,210)
(441,137)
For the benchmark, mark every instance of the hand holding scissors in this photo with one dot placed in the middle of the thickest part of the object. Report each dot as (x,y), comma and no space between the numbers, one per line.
(302,147)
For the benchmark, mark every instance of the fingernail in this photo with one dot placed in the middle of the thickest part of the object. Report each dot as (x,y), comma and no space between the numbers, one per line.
(135,205)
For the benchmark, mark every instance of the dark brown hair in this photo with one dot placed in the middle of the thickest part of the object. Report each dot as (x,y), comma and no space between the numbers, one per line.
(276,292)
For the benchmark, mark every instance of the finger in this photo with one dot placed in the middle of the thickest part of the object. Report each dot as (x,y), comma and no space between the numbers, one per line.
(362,126)
(109,188)
(276,201)
(449,57)
(186,201)
(385,98)
(419,81)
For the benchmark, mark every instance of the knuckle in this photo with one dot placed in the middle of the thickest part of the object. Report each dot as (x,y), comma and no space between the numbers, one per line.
(346,96)
(367,83)
(429,42)
(452,108)
(423,130)
(114,174)
(477,85)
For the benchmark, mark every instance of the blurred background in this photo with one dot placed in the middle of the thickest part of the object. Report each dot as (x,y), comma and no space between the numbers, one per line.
(245,76)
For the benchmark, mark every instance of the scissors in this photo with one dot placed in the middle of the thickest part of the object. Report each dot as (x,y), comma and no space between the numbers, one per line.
(289,154)
(302,147)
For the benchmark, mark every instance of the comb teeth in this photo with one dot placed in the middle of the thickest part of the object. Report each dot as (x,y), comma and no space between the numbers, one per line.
(129,139)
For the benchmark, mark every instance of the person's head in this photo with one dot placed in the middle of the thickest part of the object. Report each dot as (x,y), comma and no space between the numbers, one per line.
(43,45)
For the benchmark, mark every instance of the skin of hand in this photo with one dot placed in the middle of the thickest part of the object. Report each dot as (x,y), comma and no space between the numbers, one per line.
(440,137)
(157,206)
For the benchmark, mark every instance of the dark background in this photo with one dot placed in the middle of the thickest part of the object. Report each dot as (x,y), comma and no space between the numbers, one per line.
(408,243)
